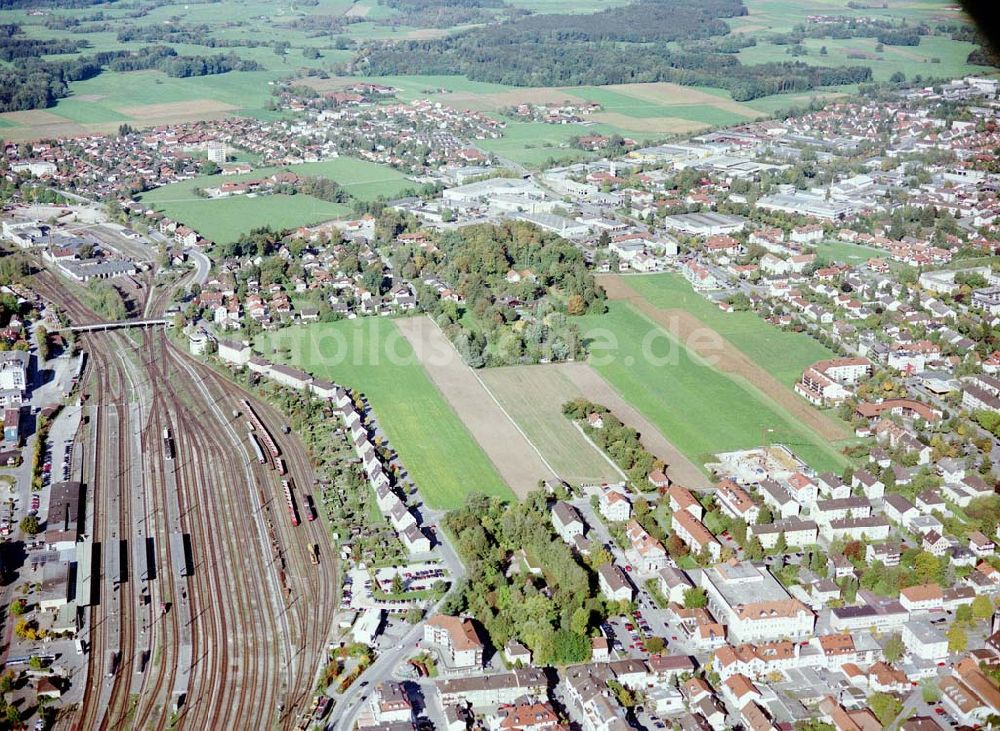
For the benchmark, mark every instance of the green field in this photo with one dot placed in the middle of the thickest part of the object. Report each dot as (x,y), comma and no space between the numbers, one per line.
(371,356)
(781,353)
(699,409)
(224,219)
(843,252)
(533,396)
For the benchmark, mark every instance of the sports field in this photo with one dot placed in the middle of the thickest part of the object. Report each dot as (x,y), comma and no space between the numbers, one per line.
(371,356)
(843,252)
(782,354)
(700,409)
(533,396)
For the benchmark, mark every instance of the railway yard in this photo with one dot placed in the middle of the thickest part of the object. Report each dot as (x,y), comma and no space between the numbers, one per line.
(203,602)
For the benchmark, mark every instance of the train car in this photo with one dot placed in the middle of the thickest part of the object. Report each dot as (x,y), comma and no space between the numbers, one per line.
(310,507)
(168,443)
(113,656)
(261,459)
(279,464)
(265,436)
(116,563)
(179,555)
(314,553)
(293,510)
(79,368)
(149,564)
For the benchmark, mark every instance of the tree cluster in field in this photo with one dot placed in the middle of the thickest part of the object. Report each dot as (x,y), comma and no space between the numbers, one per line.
(316,186)
(166,59)
(505,322)
(615,46)
(195,35)
(884,31)
(449,13)
(552,614)
(32,82)
(13,47)
(620,442)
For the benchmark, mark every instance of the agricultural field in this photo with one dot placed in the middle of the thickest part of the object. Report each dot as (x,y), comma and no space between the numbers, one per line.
(533,397)
(641,111)
(782,354)
(224,219)
(701,410)
(518,461)
(371,356)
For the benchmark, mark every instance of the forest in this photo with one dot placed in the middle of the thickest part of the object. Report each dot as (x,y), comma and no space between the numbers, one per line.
(449,13)
(553,614)
(519,284)
(618,46)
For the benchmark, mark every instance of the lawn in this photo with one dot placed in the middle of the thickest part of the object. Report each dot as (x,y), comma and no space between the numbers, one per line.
(371,356)
(532,143)
(699,409)
(843,252)
(781,353)
(225,219)
(533,396)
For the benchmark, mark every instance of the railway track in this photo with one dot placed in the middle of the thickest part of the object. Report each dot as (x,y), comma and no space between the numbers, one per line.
(261,613)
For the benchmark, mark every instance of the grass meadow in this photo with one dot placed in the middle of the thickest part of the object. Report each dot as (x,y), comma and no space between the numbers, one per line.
(781,353)
(699,409)
(371,356)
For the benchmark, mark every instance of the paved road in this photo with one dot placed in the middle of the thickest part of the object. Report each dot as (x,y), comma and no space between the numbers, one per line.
(202,265)
(350,702)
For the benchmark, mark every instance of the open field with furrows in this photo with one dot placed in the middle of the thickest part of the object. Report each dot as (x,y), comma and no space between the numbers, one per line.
(591,384)
(519,462)
(371,356)
(782,354)
(692,402)
(533,397)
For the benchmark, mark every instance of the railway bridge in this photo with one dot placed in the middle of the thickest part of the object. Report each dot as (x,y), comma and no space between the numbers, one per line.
(117,325)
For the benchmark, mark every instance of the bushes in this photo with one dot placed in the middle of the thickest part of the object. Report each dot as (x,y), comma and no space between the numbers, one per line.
(551,614)
(620,442)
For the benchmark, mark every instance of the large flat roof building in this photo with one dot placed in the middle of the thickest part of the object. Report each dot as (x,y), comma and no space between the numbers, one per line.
(65,513)
(753,605)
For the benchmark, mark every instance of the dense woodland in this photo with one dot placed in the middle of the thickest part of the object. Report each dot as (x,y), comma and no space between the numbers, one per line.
(616,46)
(504,322)
(449,13)
(554,613)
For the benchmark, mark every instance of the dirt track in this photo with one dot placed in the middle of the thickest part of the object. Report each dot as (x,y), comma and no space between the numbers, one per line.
(679,468)
(517,461)
(689,330)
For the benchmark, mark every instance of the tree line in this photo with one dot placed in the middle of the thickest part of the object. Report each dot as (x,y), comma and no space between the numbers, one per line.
(616,46)
(35,83)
